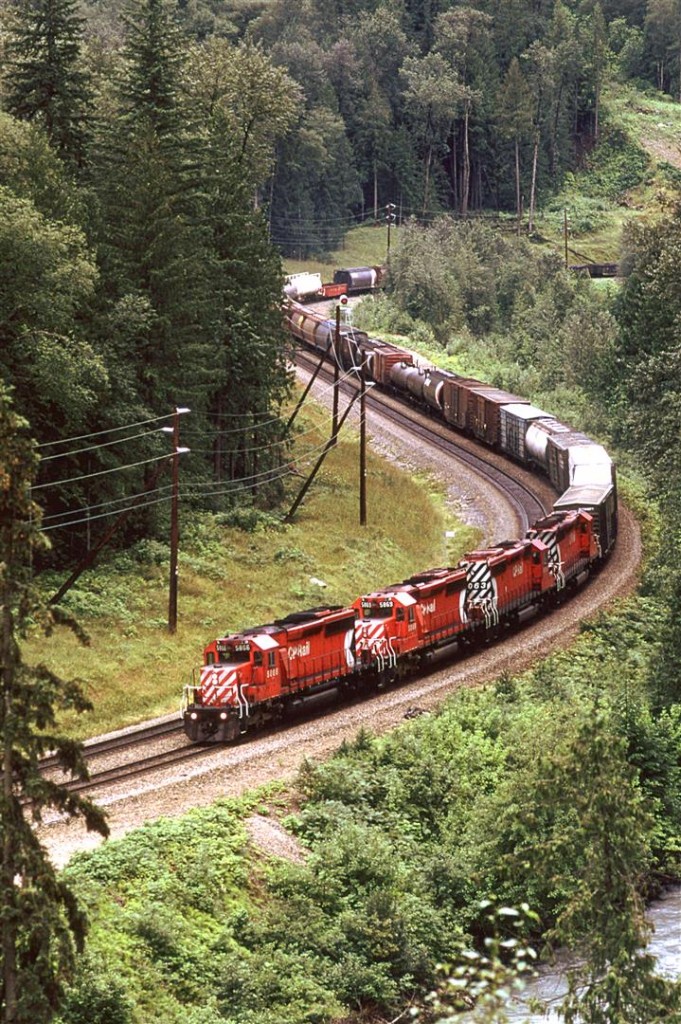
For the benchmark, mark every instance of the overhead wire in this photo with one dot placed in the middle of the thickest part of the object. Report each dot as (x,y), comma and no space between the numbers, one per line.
(105,515)
(109,430)
(105,504)
(66,518)
(100,472)
(97,447)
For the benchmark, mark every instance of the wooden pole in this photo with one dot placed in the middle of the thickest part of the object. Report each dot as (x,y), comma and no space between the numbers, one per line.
(304,395)
(174,527)
(336,376)
(565,235)
(362,446)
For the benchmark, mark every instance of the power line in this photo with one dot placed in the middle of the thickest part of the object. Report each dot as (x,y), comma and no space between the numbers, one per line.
(104,515)
(248,483)
(109,430)
(101,472)
(104,504)
(96,447)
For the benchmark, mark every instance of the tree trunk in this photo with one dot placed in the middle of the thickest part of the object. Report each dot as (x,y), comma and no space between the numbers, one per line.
(466,182)
(375,192)
(455,171)
(517,181)
(533,187)
(597,109)
(554,130)
(426,189)
(8,894)
(217,457)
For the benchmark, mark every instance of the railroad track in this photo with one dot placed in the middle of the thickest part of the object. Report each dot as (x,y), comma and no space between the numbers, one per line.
(185,752)
(523,496)
(133,745)
(120,740)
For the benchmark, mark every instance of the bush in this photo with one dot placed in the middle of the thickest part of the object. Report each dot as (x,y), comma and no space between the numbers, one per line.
(96,998)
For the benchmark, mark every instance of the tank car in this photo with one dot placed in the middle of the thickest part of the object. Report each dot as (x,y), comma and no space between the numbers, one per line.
(515,422)
(410,380)
(302,286)
(381,359)
(357,279)
(433,388)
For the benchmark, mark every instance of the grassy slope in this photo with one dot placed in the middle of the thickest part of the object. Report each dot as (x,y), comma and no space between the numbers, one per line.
(604,197)
(230,579)
(364,247)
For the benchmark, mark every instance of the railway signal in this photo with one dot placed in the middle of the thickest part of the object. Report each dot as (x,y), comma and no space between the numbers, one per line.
(390,219)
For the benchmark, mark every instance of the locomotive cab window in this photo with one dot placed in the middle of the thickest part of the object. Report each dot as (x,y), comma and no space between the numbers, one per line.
(257,657)
(399,616)
(271,659)
(210,658)
(377,610)
(412,615)
(232,655)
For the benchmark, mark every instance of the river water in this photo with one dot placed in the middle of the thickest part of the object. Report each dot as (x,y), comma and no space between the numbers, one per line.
(551,985)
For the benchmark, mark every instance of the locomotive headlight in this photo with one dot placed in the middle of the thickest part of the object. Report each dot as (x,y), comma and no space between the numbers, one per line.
(223,715)
(193,716)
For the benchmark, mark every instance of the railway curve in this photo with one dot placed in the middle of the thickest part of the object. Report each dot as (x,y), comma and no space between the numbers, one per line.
(174,775)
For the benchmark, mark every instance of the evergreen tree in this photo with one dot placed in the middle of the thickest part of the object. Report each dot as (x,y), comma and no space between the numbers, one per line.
(46,80)
(515,120)
(153,237)
(39,917)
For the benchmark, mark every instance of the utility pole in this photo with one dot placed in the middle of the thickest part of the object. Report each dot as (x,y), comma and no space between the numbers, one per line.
(390,218)
(327,448)
(362,446)
(174,522)
(336,375)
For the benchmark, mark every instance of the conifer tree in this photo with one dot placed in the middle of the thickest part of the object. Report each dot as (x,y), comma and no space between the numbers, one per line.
(153,235)
(39,917)
(46,80)
(515,119)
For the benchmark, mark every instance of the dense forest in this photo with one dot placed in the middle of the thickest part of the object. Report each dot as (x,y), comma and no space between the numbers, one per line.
(157,158)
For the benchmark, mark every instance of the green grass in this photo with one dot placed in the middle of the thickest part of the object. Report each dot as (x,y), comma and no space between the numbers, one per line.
(364,247)
(628,179)
(231,578)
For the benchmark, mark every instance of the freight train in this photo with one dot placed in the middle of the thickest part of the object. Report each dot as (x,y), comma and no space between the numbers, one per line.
(254,676)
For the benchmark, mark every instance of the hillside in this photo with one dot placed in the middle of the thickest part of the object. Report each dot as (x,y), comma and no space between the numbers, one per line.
(157,160)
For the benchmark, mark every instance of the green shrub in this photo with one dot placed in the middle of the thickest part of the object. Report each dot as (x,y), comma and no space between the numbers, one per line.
(96,998)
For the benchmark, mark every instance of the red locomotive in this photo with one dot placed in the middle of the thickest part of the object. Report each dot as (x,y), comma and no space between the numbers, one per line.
(251,677)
